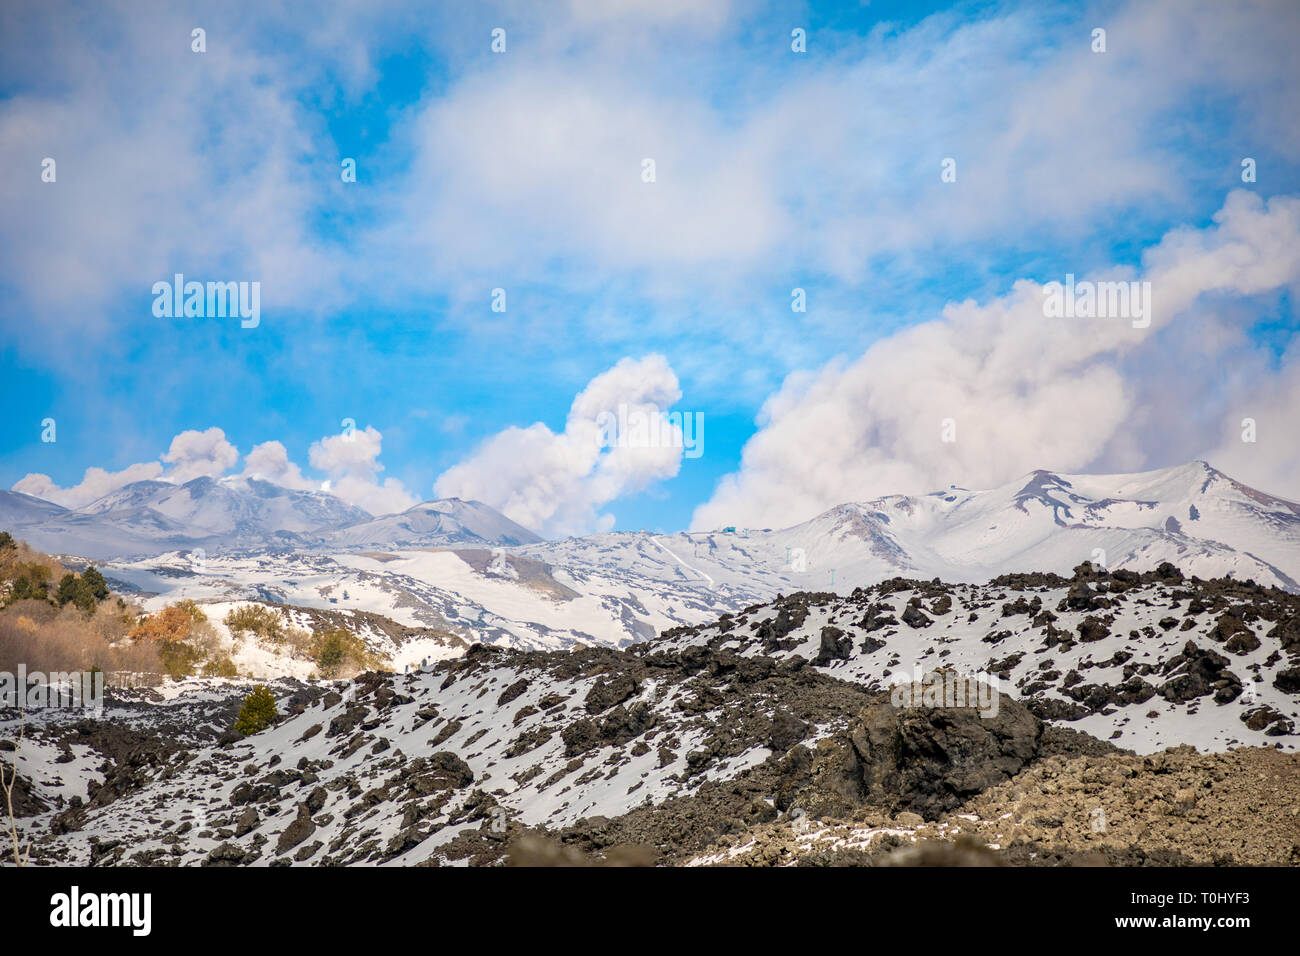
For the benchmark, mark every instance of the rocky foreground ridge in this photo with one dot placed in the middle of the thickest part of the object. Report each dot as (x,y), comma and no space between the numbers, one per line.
(769,737)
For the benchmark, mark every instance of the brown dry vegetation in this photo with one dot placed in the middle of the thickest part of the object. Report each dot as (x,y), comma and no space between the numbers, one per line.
(336,651)
(45,638)
(17,561)
(42,636)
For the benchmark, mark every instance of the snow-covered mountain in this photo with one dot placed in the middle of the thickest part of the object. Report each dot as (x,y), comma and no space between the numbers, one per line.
(433,523)
(18,510)
(149,518)
(239,508)
(1193,515)
(152,517)
(618,588)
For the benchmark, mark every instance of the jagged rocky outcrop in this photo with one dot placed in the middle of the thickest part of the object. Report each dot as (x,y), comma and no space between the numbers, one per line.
(782,711)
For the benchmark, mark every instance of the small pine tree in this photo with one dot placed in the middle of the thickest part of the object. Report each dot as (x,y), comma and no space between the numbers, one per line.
(95,582)
(330,651)
(257,713)
(31,584)
(67,589)
(76,590)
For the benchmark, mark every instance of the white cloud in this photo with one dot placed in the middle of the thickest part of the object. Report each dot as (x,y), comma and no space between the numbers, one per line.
(556,483)
(192,454)
(1024,391)
(351,463)
(269,461)
(527,166)
(833,165)
(195,454)
(379,498)
(541,164)
(351,459)
(353,452)
(94,484)
(696,12)
(229,190)
(1270,397)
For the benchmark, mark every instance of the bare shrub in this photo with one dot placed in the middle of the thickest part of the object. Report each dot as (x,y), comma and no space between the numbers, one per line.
(301,643)
(258,619)
(65,641)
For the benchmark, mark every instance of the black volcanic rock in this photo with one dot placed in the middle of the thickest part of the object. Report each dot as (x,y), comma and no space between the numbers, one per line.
(1197,673)
(929,760)
(915,617)
(835,646)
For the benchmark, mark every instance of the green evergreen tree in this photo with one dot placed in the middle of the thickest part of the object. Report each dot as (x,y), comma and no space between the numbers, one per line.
(69,589)
(330,651)
(257,713)
(31,584)
(95,582)
(75,590)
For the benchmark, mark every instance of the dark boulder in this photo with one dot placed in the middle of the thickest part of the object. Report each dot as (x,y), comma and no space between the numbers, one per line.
(512,692)
(1197,673)
(300,829)
(1288,681)
(787,730)
(931,759)
(835,646)
(609,692)
(915,617)
(1092,629)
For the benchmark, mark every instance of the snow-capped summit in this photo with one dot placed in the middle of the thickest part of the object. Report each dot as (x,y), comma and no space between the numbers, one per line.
(150,518)
(443,522)
(1191,514)
(244,507)
(18,510)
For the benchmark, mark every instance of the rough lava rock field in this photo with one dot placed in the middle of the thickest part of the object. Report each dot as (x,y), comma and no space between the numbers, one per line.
(1160,704)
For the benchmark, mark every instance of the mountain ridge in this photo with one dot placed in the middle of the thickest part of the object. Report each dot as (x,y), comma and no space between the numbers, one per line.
(149,518)
(211,538)
(618,588)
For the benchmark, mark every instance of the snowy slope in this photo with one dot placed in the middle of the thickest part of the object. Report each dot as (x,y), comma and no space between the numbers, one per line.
(150,518)
(406,769)
(449,521)
(620,587)
(1107,655)
(18,510)
(478,594)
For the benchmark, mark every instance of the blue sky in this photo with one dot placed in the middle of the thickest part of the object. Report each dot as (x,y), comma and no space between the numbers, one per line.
(522,171)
